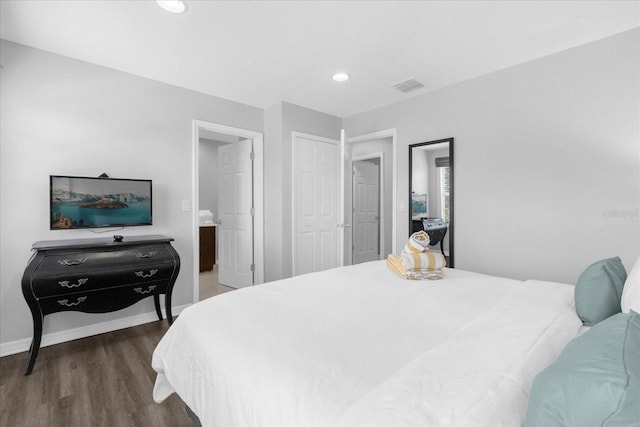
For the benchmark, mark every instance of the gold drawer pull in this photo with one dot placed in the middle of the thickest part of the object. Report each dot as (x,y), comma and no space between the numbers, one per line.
(66,284)
(147,255)
(66,302)
(140,291)
(146,276)
(69,263)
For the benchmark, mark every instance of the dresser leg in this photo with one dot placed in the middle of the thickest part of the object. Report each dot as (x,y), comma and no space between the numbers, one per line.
(156,302)
(167,306)
(35,343)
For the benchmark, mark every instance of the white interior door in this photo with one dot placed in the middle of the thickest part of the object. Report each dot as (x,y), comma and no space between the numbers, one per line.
(366,211)
(235,222)
(316,201)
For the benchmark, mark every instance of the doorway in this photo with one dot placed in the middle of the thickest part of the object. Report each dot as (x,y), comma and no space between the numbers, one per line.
(368,196)
(376,145)
(236,209)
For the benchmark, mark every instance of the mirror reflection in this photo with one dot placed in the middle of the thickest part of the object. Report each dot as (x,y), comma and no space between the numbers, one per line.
(431,194)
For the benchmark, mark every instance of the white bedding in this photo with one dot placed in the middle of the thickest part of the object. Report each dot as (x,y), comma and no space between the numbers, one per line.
(360,346)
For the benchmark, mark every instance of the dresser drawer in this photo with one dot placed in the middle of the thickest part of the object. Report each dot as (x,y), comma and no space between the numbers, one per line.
(79,261)
(71,283)
(102,301)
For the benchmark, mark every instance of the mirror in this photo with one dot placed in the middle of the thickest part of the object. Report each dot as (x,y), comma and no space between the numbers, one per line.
(431,194)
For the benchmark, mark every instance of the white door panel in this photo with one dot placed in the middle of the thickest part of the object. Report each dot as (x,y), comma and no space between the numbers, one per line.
(236,221)
(315,200)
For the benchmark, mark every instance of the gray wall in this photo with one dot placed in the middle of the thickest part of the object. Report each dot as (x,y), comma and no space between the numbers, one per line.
(273,192)
(62,116)
(547,160)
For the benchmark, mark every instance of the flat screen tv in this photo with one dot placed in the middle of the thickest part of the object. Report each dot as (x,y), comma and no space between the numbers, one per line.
(84,202)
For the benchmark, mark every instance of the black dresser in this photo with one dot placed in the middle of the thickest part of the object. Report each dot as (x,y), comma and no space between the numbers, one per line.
(97,276)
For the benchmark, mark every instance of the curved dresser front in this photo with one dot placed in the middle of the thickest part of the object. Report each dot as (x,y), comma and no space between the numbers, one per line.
(97,276)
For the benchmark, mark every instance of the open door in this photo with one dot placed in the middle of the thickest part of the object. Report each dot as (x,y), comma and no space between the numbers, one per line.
(235,222)
(366,210)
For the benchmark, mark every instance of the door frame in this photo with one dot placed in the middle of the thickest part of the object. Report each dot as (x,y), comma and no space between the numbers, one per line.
(381,217)
(339,208)
(373,136)
(258,196)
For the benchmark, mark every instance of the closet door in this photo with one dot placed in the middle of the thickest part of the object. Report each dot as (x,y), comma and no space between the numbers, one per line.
(317,227)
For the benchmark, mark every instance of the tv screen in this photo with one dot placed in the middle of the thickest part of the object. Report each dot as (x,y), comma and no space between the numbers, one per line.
(83,202)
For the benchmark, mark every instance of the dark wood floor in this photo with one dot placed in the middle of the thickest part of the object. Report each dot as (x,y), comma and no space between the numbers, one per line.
(104,380)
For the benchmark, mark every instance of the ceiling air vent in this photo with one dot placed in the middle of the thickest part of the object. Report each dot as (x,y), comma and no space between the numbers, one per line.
(408,85)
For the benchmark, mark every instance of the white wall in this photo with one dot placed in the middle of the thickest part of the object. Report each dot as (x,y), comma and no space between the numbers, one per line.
(547,160)
(420,169)
(208,175)
(62,116)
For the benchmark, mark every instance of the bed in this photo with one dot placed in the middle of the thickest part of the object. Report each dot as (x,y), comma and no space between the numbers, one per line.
(359,345)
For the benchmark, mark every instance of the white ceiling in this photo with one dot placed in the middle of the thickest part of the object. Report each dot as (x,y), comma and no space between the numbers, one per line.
(263,52)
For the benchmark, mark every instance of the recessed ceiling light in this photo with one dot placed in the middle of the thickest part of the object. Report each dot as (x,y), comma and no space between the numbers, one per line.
(173,6)
(341,77)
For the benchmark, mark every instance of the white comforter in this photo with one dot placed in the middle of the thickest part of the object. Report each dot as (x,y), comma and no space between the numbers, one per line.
(360,346)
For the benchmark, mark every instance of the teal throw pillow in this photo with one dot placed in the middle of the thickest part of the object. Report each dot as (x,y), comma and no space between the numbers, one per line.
(599,289)
(595,381)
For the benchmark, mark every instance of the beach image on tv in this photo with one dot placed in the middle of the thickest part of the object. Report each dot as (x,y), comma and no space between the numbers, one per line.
(99,202)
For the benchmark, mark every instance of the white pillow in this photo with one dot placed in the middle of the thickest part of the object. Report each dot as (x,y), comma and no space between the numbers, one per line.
(631,291)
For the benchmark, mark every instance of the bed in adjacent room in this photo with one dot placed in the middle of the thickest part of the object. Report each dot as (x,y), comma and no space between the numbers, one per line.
(359,345)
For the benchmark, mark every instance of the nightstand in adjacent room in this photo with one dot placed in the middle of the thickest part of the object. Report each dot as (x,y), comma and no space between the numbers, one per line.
(207,247)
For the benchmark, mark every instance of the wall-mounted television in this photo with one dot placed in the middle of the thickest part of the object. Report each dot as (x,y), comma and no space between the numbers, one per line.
(84,202)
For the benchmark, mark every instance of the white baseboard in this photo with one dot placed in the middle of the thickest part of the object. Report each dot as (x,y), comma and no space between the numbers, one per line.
(21,345)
